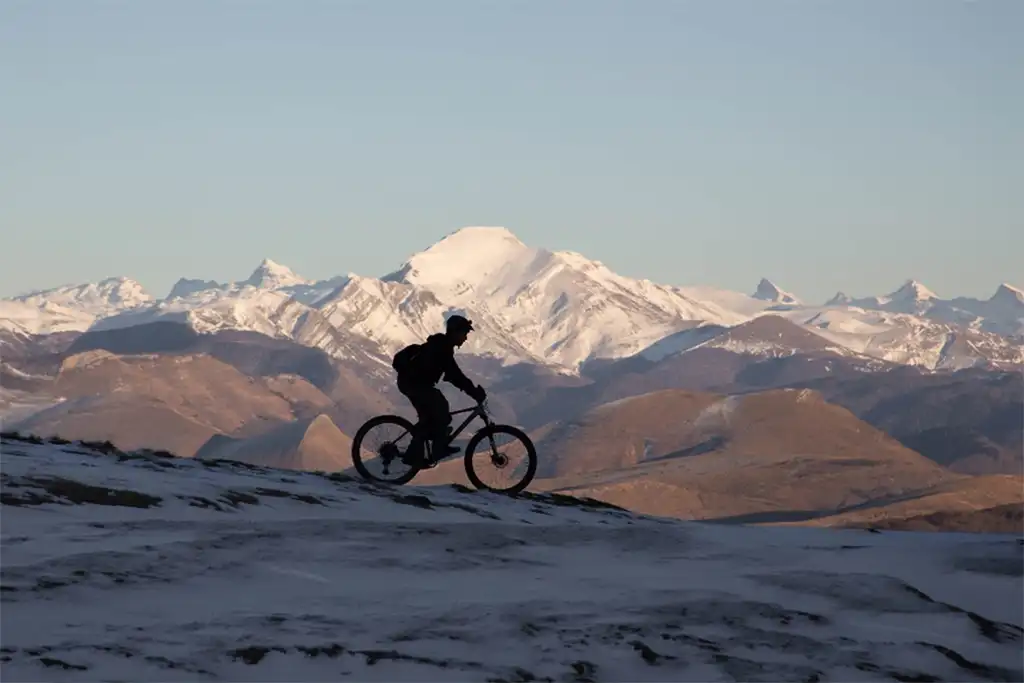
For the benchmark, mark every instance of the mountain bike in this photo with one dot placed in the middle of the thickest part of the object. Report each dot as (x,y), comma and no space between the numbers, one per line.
(390,453)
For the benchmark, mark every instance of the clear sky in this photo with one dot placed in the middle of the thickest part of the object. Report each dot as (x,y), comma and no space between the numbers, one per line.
(828,145)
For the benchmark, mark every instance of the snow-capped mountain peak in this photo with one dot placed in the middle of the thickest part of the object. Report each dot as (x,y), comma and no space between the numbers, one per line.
(1007,293)
(912,290)
(840,299)
(185,287)
(769,291)
(123,291)
(271,275)
(107,296)
(72,307)
(561,306)
(466,257)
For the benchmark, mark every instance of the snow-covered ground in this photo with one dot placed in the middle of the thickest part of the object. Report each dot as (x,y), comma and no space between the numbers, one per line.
(145,567)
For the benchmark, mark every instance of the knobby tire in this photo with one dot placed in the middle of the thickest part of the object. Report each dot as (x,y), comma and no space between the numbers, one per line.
(481,436)
(357,442)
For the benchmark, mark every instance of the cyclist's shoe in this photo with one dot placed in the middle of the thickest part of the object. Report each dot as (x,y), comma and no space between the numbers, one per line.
(413,457)
(447,452)
(423,461)
(435,461)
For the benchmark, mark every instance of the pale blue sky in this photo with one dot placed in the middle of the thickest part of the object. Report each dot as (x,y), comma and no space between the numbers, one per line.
(825,144)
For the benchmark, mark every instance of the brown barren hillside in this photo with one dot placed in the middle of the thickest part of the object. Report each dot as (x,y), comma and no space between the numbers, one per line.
(127,420)
(769,456)
(356,401)
(175,402)
(357,394)
(992,503)
(308,444)
(1000,519)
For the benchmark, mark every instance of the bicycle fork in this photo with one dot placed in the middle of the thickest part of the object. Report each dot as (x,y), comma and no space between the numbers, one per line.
(499,460)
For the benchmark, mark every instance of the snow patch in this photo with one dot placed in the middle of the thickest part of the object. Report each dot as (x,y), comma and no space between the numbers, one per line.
(718,414)
(912,290)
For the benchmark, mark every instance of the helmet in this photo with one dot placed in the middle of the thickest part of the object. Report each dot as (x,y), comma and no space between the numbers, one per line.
(458,323)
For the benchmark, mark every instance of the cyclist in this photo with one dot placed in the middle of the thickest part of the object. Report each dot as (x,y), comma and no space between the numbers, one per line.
(420,367)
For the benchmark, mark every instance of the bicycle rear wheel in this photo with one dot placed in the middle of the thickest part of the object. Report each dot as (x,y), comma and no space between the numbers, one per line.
(516,460)
(374,450)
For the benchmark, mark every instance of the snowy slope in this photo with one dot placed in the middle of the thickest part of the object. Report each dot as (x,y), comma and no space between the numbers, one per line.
(758,337)
(738,302)
(392,314)
(909,339)
(135,567)
(25,318)
(71,308)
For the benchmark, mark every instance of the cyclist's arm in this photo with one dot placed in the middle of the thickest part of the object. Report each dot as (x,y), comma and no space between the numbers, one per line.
(453,374)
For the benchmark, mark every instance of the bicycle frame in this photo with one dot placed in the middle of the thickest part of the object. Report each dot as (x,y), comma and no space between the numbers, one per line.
(479,410)
(476,411)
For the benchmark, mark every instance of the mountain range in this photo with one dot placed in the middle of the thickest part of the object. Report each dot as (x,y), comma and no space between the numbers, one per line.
(553,308)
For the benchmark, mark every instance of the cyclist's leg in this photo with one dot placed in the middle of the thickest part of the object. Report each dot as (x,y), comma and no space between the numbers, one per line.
(439,421)
(419,397)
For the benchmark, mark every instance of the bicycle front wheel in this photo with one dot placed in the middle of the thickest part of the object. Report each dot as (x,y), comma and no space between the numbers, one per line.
(501,458)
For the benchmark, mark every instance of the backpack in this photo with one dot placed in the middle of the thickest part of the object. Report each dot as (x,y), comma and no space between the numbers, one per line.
(402,362)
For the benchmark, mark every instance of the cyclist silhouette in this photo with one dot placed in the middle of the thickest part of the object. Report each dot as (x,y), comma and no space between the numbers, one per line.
(420,367)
